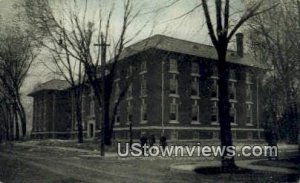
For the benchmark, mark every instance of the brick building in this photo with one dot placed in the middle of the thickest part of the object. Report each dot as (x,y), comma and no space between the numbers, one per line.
(173,92)
(52,114)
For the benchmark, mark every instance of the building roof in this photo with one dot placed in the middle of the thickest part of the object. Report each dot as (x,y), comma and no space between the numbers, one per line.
(54,84)
(165,43)
(170,44)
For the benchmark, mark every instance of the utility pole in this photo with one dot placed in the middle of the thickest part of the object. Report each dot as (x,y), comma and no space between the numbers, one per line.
(103,46)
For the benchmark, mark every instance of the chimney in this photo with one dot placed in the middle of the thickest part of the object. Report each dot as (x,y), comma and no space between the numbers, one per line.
(239,44)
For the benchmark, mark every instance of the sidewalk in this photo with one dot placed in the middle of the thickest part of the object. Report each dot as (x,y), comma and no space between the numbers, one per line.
(95,153)
(82,152)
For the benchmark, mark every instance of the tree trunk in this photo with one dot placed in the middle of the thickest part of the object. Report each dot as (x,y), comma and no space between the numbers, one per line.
(79,118)
(23,121)
(104,128)
(224,118)
(107,132)
(11,130)
(9,122)
(102,92)
(4,121)
(96,87)
(292,116)
(16,121)
(17,130)
(22,114)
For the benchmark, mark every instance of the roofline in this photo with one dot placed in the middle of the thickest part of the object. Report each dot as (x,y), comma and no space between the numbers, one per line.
(32,93)
(229,51)
(187,41)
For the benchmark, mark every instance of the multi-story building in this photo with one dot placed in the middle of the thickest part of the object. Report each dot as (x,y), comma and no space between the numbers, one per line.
(173,92)
(51,110)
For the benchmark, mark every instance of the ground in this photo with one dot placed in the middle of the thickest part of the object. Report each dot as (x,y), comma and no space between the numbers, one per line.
(34,163)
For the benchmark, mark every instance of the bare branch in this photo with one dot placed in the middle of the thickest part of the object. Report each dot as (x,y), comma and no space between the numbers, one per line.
(209,23)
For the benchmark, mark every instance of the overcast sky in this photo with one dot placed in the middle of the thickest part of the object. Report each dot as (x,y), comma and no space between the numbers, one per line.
(165,21)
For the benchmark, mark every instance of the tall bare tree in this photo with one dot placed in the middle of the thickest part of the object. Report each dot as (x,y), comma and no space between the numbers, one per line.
(73,73)
(16,56)
(76,35)
(66,67)
(277,37)
(5,120)
(220,34)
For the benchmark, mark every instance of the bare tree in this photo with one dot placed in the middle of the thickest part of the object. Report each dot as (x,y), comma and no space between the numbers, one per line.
(77,36)
(273,107)
(277,37)
(221,34)
(70,70)
(4,120)
(75,76)
(16,57)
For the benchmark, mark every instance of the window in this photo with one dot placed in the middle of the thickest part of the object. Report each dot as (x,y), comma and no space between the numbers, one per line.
(214,89)
(174,135)
(195,68)
(215,134)
(92,107)
(195,112)
(117,91)
(117,116)
(248,77)
(196,135)
(107,72)
(83,125)
(248,93)
(250,135)
(129,92)
(232,74)
(232,91)
(39,113)
(174,111)
(91,92)
(233,134)
(195,87)
(129,72)
(232,113)
(174,85)
(173,65)
(249,115)
(214,112)
(92,102)
(129,113)
(143,67)
(117,75)
(83,106)
(144,116)
(143,86)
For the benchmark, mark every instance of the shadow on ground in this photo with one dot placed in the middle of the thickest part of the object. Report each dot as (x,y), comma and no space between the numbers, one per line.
(246,175)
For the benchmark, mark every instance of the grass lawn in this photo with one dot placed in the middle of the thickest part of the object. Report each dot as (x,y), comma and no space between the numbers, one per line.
(246,175)
(145,169)
(292,163)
